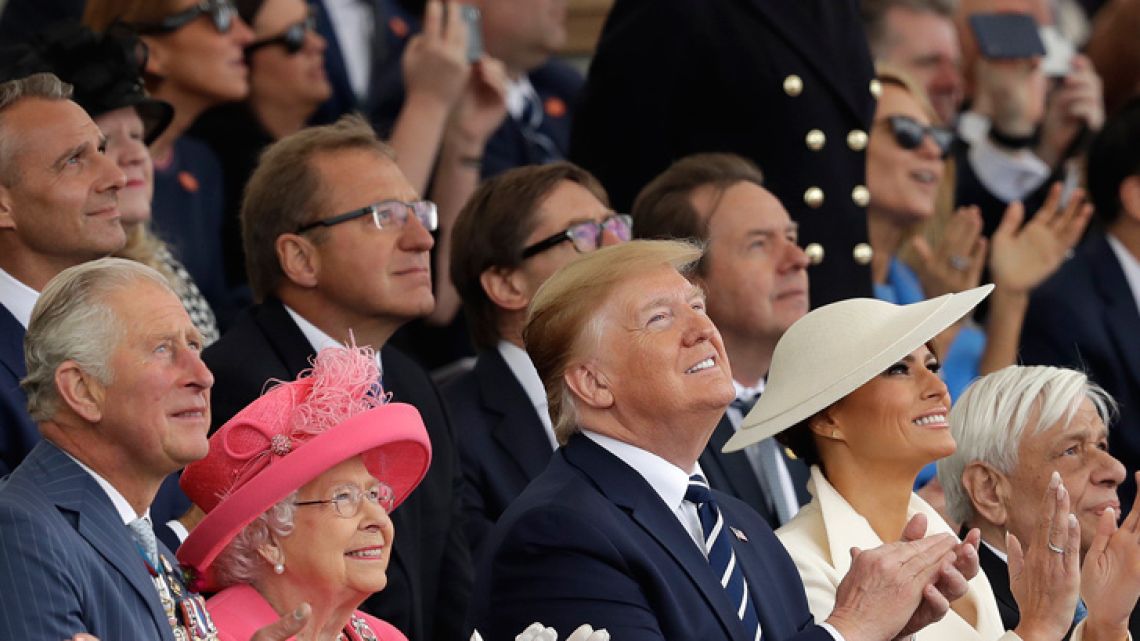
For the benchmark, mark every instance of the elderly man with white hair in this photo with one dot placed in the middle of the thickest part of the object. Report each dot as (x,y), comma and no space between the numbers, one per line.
(1017,429)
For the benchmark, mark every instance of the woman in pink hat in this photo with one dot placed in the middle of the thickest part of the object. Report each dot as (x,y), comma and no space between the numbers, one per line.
(297,489)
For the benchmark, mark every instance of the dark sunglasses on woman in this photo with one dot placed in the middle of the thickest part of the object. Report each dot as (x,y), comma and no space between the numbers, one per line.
(293,40)
(221,13)
(909,134)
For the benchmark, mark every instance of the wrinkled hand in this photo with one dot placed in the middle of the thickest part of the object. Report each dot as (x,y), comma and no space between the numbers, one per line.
(891,591)
(1011,93)
(955,265)
(1023,256)
(286,627)
(1110,576)
(538,632)
(1076,103)
(1044,582)
(435,60)
(482,106)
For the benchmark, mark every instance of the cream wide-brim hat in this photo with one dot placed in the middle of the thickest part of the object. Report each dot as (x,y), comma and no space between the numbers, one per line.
(835,349)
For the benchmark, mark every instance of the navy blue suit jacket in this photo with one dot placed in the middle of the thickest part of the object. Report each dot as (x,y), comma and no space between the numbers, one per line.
(502,442)
(429,577)
(18,433)
(590,541)
(67,562)
(1085,317)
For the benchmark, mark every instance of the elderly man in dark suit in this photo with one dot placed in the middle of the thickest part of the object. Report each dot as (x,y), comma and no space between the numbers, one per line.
(517,229)
(121,397)
(788,85)
(754,274)
(621,528)
(337,248)
(1087,316)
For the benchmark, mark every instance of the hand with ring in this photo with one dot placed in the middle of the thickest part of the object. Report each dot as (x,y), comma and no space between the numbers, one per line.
(955,263)
(1110,575)
(1045,577)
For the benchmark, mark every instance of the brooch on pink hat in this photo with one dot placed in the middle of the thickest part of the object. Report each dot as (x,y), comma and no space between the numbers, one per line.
(292,434)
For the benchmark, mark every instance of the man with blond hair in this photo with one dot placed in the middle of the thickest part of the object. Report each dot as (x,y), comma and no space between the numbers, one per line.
(620,529)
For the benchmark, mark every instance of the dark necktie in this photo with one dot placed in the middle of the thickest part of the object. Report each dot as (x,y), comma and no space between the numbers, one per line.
(722,558)
(765,459)
(530,120)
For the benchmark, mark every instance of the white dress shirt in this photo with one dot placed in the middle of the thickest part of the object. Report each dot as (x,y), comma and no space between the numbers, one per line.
(1007,174)
(122,506)
(1130,264)
(319,340)
(17,297)
(519,92)
(518,361)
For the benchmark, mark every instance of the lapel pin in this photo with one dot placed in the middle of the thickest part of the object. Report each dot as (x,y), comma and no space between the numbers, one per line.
(740,536)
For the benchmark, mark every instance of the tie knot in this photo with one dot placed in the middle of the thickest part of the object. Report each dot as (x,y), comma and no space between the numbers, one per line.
(143,534)
(698,491)
(744,404)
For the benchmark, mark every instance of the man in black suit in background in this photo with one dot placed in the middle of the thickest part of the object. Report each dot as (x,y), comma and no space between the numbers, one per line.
(337,246)
(754,275)
(788,85)
(517,230)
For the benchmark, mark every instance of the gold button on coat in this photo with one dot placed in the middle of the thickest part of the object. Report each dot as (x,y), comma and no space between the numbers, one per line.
(813,197)
(815,139)
(860,195)
(793,85)
(814,253)
(857,139)
(862,253)
(876,87)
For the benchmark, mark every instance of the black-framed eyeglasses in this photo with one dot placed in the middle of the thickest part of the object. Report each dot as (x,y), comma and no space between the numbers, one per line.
(221,13)
(346,499)
(387,214)
(293,39)
(586,235)
(909,134)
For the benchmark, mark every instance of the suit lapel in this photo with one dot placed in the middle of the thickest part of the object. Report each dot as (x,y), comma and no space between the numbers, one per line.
(629,491)
(12,344)
(800,31)
(733,474)
(1120,313)
(519,431)
(72,490)
(288,342)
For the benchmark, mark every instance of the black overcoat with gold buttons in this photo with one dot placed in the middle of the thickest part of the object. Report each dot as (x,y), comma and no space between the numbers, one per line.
(787,83)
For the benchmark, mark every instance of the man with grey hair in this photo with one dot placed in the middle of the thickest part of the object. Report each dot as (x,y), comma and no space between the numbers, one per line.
(58,208)
(1018,430)
(121,396)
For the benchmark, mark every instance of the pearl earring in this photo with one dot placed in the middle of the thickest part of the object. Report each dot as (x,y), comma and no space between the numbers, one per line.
(279,568)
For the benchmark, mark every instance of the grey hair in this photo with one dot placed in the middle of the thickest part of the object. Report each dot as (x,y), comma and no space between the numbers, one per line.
(39,85)
(72,321)
(992,416)
(241,561)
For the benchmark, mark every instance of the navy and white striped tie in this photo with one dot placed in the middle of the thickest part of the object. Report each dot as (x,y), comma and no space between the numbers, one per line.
(722,558)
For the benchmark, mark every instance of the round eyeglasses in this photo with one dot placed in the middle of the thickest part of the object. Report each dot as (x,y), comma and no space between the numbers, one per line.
(347,499)
(909,134)
(586,236)
(293,39)
(221,13)
(387,214)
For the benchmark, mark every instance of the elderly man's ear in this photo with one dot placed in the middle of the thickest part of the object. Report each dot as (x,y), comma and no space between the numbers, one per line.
(590,385)
(988,490)
(80,391)
(6,221)
(505,288)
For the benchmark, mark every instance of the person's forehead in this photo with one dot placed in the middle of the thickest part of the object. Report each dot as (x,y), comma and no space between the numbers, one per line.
(568,202)
(917,30)
(353,178)
(1086,423)
(745,207)
(43,129)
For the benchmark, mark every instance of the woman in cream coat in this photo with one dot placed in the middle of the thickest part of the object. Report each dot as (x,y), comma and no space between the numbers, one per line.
(856,382)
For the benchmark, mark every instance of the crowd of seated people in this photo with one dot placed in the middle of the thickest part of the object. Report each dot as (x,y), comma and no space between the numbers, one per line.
(376,319)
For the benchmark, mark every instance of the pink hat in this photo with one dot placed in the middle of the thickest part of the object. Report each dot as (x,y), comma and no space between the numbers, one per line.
(291,435)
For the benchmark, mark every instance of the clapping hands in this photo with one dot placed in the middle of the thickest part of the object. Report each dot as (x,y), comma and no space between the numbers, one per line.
(539,632)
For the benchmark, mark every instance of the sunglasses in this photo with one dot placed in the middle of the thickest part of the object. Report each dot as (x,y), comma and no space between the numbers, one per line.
(221,13)
(586,236)
(909,134)
(388,214)
(293,40)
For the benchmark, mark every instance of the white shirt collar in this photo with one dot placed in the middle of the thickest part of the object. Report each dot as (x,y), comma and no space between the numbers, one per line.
(318,339)
(669,481)
(518,361)
(1129,264)
(518,91)
(122,506)
(998,553)
(17,297)
(747,393)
